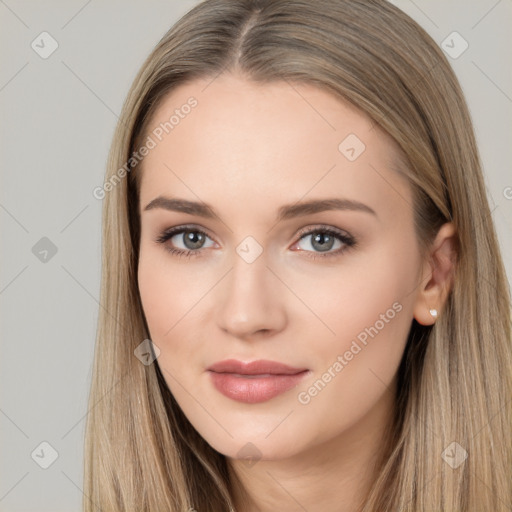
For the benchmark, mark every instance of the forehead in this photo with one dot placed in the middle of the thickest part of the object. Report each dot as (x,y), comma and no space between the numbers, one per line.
(230,139)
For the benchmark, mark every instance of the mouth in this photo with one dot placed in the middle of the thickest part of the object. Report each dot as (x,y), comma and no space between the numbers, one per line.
(256,381)
(259,367)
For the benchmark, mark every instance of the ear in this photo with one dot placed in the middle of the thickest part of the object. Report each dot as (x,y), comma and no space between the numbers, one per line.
(437,276)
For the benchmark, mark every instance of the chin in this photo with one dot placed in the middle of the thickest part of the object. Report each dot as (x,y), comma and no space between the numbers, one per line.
(249,446)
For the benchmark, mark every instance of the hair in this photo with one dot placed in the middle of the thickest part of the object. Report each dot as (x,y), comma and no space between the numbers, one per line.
(455,378)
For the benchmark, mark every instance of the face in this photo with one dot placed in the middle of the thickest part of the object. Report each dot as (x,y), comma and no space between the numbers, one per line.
(327,290)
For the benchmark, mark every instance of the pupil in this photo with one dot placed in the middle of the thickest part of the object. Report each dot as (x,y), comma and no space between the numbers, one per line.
(323,239)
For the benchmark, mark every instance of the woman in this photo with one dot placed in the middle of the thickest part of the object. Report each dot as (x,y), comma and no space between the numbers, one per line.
(304,304)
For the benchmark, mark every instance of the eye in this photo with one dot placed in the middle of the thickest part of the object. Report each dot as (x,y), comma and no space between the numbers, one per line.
(323,239)
(191,238)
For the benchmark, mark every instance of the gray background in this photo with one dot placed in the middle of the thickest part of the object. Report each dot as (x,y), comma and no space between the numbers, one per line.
(58,116)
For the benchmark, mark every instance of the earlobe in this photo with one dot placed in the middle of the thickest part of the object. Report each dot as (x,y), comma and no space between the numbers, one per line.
(437,276)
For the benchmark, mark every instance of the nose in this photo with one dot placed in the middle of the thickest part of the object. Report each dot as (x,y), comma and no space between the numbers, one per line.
(251,302)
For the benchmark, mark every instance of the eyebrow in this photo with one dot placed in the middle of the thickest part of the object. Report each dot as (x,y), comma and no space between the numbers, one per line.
(284,213)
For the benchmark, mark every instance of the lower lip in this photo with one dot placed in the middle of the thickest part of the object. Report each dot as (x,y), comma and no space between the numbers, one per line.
(254,389)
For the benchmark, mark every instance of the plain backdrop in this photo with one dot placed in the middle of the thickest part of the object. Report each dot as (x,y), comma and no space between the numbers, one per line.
(57,119)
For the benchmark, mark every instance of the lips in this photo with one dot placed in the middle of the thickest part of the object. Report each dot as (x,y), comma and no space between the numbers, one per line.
(256,381)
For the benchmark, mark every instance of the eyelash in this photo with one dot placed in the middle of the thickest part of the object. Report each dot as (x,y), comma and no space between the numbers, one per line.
(348,241)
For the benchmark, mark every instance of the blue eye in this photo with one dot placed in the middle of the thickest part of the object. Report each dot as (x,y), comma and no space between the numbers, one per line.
(189,235)
(323,239)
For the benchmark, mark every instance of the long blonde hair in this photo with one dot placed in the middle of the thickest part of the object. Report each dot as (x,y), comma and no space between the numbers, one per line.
(455,379)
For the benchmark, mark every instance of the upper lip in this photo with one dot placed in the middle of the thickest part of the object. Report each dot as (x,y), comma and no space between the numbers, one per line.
(254,367)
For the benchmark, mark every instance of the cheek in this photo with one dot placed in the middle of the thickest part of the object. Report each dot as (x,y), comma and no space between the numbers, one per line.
(166,292)
(158,301)
(368,304)
(172,298)
(366,289)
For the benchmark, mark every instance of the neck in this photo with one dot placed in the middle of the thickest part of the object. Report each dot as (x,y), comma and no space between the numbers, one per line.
(335,475)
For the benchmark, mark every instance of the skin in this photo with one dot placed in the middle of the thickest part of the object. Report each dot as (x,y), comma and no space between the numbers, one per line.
(247,149)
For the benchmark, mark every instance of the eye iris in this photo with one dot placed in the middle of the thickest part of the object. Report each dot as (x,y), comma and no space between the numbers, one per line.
(196,238)
(325,240)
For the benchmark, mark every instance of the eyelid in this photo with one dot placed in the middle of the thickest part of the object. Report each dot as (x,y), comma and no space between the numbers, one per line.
(299,234)
(323,227)
(169,232)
